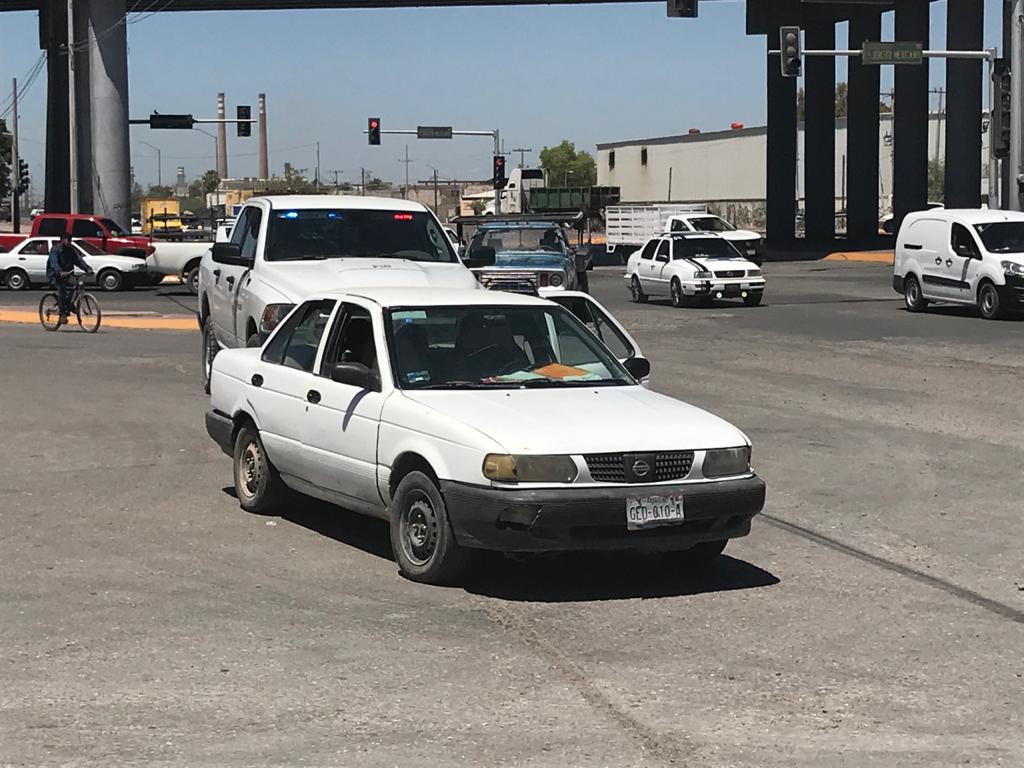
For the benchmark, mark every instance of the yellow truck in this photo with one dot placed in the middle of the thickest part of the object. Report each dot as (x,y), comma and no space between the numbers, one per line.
(161,217)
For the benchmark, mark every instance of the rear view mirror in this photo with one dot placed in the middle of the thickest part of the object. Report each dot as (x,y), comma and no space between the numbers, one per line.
(230,254)
(638,367)
(355,375)
(481,256)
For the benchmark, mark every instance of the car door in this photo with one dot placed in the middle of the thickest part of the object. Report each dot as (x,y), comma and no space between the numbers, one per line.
(32,257)
(344,420)
(249,242)
(658,279)
(90,231)
(935,249)
(224,289)
(962,263)
(281,381)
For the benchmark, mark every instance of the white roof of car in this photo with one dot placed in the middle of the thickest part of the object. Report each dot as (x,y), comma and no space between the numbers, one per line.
(439,297)
(969,216)
(355,202)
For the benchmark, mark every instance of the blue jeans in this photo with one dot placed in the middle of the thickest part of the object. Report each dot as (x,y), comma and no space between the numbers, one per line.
(65,290)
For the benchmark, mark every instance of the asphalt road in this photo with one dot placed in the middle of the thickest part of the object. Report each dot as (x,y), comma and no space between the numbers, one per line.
(874,616)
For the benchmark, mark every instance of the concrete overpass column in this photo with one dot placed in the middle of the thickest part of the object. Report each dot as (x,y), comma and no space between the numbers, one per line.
(107,42)
(964,31)
(862,129)
(53,35)
(820,134)
(780,213)
(910,121)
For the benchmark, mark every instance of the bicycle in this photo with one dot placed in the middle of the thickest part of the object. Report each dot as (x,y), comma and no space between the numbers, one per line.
(85,306)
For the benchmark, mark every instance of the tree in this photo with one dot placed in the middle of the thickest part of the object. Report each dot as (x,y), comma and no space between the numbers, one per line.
(5,162)
(842,93)
(210,181)
(160,191)
(567,167)
(936,181)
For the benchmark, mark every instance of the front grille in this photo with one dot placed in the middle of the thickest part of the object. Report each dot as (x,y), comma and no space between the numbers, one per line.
(611,467)
(514,282)
(730,273)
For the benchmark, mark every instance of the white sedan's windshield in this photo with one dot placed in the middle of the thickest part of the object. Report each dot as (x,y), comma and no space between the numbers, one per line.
(496,347)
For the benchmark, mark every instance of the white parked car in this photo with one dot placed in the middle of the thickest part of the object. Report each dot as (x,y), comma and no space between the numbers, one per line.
(693,268)
(476,420)
(749,243)
(25,266)
(973,256)
(285,248)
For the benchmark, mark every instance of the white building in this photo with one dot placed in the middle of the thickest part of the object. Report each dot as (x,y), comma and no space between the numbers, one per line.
(727,168)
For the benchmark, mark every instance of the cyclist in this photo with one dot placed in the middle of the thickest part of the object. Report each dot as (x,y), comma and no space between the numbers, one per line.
(60,267)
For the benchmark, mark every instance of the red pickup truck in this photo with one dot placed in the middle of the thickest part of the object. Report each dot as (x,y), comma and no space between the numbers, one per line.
(102,233)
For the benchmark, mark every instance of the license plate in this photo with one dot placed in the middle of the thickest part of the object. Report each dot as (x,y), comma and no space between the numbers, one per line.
(648,511)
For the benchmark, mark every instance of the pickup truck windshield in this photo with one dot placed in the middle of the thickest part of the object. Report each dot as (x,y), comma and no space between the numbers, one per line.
(301,235)
(1002,236)
(711,224)
(112,228)
(704,248)
(512,239)
(487,347)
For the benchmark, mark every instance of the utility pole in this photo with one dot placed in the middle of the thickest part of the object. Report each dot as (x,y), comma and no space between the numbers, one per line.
(938,127)
(1017,100)
(362,181)
(159,164)
(72,115)
(522,155)
(335,172)
(318,165)
(405,194)
(15,164)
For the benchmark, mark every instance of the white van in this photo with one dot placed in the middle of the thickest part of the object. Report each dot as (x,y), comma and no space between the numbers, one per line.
(971,256)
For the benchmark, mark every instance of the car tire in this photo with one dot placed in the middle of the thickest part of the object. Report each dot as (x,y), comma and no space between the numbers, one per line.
(192,281)
(210,349)
(258,485)
(253,341)
(110,280)
(753,298)
(636,291)
(17,280)
(422,539)
(912,296)
(679,299)
(988,302)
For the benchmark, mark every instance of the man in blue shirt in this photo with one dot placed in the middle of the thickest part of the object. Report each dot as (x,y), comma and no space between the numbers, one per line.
(60,267)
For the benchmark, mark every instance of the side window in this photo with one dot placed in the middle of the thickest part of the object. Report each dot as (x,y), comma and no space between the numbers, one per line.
(36,248)
(678,226)
(611,160)
(250,233)
(963,242)
(351,340)
(296,342)
(52,227)
(648,251)
(662,254)
(83,228)
(597,323)
(240,227)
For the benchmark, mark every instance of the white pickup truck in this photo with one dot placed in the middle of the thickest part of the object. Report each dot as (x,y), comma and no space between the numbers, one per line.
(285,248)
(630,226)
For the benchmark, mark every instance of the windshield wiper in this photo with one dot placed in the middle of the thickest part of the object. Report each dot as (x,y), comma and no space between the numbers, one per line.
(553,383)
(454,385)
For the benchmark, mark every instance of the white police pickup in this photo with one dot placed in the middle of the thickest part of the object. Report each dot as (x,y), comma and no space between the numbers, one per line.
(476,420)
(284,248)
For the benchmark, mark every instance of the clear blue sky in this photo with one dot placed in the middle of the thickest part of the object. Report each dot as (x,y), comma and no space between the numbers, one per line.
(587,73)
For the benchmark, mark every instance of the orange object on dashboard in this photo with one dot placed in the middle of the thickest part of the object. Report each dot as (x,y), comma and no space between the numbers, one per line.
(559,371)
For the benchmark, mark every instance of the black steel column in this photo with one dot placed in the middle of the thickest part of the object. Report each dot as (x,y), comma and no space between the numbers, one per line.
(53,34)
(910,122)
(780,206)
(964,32)
(862,134)
(820,134)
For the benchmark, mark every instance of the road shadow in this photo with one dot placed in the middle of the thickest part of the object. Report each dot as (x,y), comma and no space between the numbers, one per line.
(963,310)
(367,534)
(585,577)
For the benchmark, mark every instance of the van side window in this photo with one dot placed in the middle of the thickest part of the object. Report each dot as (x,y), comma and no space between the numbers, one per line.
(962,242)
(648,251)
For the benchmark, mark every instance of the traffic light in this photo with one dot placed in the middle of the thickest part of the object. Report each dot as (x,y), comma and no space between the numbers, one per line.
(23,177)
(1000,122)
(790,52)
(373,130)
(176,122)
(244,115)
(499,171)
(682,8)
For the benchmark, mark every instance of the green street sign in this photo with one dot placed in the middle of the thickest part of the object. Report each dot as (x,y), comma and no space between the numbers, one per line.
(434,132)
(892,53)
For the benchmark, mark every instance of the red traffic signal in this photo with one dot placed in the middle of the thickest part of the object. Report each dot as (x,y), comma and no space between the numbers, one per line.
(499,171)
(373,130)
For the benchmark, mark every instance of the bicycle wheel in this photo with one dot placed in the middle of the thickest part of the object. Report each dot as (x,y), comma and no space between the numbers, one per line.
(89,314)
(49,311)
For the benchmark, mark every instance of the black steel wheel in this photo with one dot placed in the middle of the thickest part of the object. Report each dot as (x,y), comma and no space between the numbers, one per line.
(422,539)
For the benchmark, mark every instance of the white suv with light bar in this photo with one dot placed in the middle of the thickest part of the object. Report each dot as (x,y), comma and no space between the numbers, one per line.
(473,420)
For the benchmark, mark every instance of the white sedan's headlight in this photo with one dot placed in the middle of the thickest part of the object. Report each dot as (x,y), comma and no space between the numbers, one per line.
(272,315)
(556,280)
(1013,268)
(529,469)
(702,275)
(726,462)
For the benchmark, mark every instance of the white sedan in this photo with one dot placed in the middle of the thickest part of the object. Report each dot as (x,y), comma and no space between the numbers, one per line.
(25,265)
(693,268)
(473,420)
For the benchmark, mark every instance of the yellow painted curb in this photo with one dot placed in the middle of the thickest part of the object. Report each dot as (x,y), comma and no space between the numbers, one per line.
(875,257)
(166,323)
